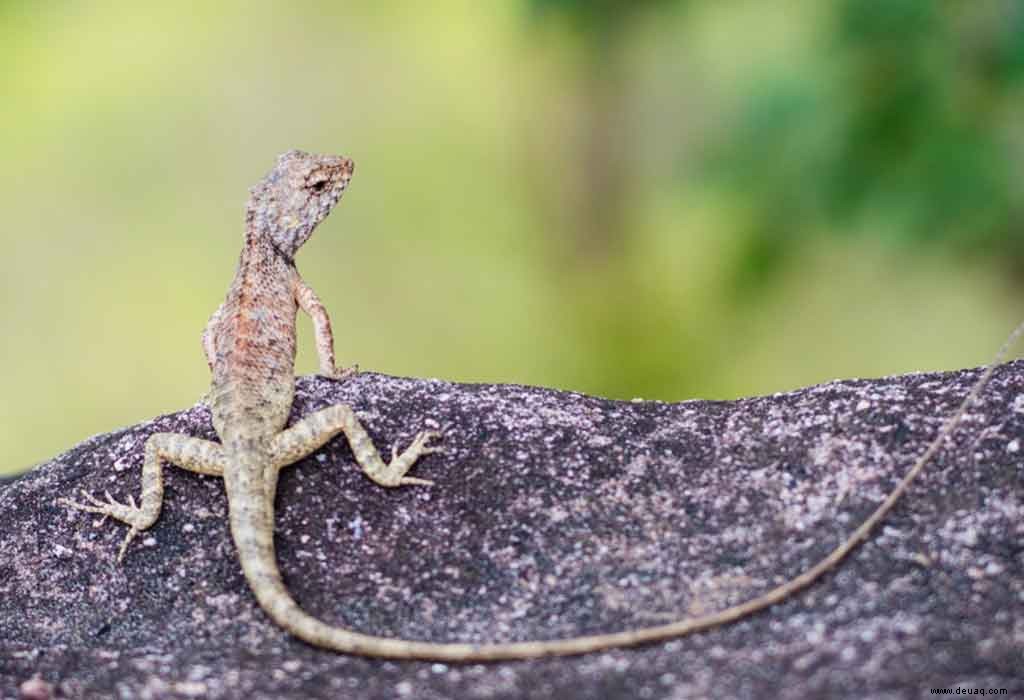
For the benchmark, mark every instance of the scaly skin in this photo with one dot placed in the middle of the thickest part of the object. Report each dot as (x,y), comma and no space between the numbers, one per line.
(250,345)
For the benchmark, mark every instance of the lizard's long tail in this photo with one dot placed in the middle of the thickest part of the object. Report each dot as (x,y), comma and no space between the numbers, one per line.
(253,535)
(254,540)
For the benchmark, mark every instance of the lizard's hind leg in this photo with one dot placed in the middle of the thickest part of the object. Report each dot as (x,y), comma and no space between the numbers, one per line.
(318,428)
(190,453)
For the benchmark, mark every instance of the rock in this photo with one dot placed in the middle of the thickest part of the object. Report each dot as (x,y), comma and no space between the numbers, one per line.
(553,514)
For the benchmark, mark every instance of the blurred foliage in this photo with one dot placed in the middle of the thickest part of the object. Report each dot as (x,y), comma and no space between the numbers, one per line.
(597,20)
(897,124)
(903,125)
(657,198)
(599,227)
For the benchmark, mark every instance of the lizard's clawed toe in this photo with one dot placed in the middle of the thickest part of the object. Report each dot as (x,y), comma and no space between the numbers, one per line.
(340,374)
(129,513)
(422,442)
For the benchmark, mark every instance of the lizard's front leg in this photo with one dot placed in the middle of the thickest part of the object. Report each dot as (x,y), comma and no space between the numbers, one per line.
(190,453)
(311,304)
(318,428)
(209,345)
(209,348)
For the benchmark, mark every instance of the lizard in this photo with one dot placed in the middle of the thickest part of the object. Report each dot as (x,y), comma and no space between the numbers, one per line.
(250,345)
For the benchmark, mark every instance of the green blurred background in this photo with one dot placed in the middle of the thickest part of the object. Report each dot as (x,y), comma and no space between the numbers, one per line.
(657,198)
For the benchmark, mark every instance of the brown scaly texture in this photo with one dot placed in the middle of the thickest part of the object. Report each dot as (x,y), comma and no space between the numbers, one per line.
(250,345)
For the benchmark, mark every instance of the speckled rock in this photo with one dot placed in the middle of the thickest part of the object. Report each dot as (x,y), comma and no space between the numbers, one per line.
(553,514)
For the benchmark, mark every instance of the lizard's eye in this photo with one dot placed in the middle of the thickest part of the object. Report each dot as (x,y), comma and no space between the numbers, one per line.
(318,186)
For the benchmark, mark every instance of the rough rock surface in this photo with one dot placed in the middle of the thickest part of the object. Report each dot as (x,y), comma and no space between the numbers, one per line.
(553,514)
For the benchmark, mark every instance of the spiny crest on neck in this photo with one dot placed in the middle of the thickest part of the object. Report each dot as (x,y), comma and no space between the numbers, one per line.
(296,195)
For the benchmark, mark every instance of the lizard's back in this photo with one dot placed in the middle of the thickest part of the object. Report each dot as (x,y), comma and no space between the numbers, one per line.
(254,342)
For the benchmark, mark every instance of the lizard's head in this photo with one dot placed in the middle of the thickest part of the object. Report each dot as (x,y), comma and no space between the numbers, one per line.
(295,196)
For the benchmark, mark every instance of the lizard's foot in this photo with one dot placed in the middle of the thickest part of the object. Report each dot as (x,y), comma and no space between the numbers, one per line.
(394,474)
(340,374)
(130,514)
